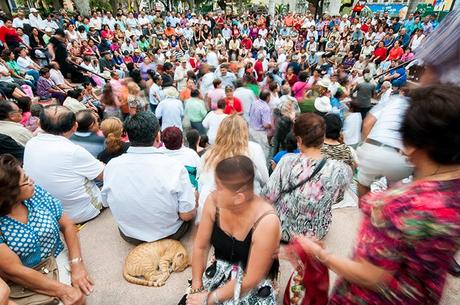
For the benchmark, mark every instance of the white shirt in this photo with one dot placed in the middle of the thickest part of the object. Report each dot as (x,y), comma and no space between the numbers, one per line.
(25,62)
(206,83)
(352,128)
(247,98)
(57,77)
(131,22)
(155,94)
(212,59)
(36,22)
(146,190)
(19,23)
(109,21)
(389,119)
(67,171)
(212,122)
(96,23)
(186,156)
(180,76)
(171,111)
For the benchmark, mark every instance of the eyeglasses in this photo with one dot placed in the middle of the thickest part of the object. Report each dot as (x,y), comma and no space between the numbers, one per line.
(27,181)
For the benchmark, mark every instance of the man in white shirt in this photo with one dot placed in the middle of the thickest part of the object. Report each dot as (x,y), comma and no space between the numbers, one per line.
(180,74)
(64,169)
(10,116)
(109,20)
(35,20)
(171,109)
(148,192)
(20,20)
(259,42)
(246,96)
(212,58)
(206,83)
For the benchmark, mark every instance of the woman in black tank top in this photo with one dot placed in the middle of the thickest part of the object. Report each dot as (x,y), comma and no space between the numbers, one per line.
(245,233)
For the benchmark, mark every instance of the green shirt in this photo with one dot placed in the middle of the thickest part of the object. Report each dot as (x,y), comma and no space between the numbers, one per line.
(144,46)
(307,105)
(254,88)
(195,109)
(14,66)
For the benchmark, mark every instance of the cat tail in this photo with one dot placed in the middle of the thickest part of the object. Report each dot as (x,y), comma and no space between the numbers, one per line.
(134,280)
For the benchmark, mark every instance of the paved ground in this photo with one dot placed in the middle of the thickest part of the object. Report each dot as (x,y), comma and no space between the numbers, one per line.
(104,252)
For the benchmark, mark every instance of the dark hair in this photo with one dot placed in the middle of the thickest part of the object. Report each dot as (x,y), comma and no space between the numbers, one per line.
(36,109)
(10,176)
(431,122)
(172,138)
(290,142)
(195,93)
(167,66)
(221,104)
(192,138)
(75,93)
(204,141)
(216,82)
(142,128)
(333,126)
(236,172)
(264,95)
(311,128)
(56,119)
(85,119)
(6,107)
(43,71)
(303,76)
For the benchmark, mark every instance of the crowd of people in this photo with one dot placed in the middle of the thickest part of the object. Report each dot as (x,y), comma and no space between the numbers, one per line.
(251,127)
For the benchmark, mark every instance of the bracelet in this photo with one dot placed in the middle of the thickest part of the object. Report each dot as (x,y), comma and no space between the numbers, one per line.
(198,290)
(76,260)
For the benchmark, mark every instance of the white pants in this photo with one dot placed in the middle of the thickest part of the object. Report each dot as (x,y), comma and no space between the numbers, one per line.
(376,162)
(64,269)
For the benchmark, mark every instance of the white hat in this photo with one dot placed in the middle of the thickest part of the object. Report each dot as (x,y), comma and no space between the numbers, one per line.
(171,92)
(33,10)
(323,104)
(324,82)
(260,55)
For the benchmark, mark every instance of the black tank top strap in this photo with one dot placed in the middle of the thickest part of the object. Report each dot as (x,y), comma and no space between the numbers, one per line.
(261,217)
(217,216)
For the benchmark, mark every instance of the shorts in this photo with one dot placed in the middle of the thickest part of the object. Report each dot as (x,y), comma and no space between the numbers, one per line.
(376,162)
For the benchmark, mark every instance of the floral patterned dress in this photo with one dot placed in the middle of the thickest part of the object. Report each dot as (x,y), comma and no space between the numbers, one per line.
(307,209)
(412,231)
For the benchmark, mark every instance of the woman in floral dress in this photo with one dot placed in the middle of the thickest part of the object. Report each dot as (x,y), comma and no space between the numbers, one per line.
(410,232)
(307,208)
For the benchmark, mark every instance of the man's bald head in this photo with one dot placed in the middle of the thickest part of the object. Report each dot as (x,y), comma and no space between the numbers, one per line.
(57,119)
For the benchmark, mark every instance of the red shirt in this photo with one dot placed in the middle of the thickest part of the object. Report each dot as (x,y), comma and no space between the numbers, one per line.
(365,28)
(396,53)
(247,43)
(380,53)
(235,107)
(259,70)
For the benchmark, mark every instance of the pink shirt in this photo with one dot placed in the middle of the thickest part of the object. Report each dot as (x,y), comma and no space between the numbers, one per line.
(299,89)
(215,95)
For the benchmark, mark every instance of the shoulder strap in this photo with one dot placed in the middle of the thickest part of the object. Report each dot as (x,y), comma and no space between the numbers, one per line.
(261,217)
(294,187)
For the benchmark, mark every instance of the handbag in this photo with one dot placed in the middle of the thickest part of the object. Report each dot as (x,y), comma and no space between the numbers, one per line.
(309,283)
(285,236)
(24,296)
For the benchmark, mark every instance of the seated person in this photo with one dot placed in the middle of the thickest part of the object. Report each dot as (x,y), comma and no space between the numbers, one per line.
(86,134)
(10,118)
(397,77)
(157,187)
(9,146)
(47,89)
(173,141)
(63,168)
(57,77)
(30,214)
(73,100)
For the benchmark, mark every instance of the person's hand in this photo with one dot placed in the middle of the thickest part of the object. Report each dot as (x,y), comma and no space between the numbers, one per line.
(310,244)
(72,296)
(197,298)
(81,279)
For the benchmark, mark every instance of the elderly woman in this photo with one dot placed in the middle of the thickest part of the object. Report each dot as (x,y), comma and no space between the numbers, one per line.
(31,221)
(303,187)
(409,233)
(245,232)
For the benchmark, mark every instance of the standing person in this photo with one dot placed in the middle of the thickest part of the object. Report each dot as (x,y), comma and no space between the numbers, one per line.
(229,214)
(71,174)
(215,94)
(232,104)
(195,111)
(156,94)
(213,119)
(398,259)
(246,96)
(232,139)
(171,109)
(364,93)
(161,198)
(260,122)
(303,187)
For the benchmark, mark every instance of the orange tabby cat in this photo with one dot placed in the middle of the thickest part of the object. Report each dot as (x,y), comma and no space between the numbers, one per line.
(150,264)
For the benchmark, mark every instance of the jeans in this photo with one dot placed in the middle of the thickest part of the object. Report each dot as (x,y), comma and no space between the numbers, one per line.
(34,74)
(198,126)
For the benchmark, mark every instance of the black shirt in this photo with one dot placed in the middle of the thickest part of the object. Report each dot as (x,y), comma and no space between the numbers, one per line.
(10,146)
(104,156)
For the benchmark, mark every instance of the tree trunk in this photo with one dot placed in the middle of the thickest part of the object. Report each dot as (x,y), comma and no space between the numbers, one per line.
(57,5)
(83,7)
(271,8)
(114,5)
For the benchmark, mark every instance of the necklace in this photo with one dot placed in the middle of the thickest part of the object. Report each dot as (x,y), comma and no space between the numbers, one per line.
(438,173)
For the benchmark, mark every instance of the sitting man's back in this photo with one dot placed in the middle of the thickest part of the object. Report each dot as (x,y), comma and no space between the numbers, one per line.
(86,134)
(149,193)
(64,169)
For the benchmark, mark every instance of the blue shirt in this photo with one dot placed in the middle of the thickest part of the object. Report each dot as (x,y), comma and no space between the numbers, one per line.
(402,74)
(39,238)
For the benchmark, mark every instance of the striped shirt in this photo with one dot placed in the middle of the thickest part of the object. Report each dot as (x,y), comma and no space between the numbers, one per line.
(259,115)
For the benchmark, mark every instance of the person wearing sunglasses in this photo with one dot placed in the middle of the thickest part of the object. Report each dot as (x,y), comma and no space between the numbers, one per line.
(31,221)
(245,232)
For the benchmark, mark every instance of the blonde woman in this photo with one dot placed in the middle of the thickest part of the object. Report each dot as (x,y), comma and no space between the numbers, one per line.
(112,128)
(232,139)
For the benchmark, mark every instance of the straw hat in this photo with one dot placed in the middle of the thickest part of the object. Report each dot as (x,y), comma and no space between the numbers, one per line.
(323,104)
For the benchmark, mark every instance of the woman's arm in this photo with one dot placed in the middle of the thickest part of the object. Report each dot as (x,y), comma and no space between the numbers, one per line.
(360,272)
(15,271)
(202,242)
(80,277)
(4,293)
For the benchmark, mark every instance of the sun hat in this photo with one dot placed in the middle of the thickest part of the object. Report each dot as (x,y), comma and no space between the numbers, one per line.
(171,92)
(324,82)
(323,104)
